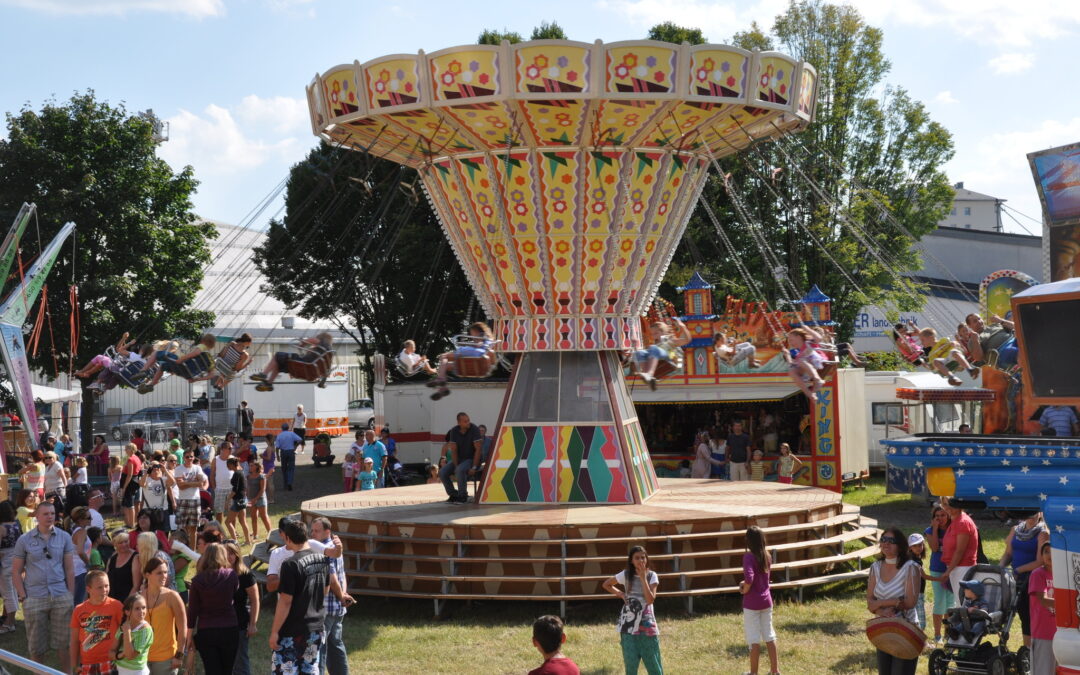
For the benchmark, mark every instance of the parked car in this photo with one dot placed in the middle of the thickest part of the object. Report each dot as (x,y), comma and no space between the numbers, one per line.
(157,421)
(362,414)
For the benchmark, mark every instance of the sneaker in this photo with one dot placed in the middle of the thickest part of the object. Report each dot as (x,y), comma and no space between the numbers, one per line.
(652,383)
(974,372)
(264,387)
(452,499)
(954,381)
(437,382)
(144,388)
(260,377)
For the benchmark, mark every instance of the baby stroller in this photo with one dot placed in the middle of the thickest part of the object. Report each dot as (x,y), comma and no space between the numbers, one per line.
(321,453)
(979,654)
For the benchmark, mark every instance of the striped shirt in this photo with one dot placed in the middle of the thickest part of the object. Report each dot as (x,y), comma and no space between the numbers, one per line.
(1060,418)
(897,586)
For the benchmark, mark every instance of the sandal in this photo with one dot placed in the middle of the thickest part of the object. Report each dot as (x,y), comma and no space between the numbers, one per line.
(954,381)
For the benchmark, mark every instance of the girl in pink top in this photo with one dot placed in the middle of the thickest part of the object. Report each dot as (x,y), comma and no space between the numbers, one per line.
(757,600)
(1043,623)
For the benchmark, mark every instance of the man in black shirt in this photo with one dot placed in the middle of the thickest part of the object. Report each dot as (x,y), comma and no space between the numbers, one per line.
(738,453)
(245,418)
(296,635)
(464,443)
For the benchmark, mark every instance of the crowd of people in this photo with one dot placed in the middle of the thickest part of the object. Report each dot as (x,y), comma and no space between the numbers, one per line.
(146,603)
(959,611)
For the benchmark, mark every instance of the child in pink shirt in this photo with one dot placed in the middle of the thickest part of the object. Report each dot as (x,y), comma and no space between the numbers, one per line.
(1043,623)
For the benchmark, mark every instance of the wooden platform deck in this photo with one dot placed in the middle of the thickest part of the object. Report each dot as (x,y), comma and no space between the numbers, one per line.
(407,542)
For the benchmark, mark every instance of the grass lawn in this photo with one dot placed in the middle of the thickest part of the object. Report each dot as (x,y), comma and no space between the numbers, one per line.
(822,635)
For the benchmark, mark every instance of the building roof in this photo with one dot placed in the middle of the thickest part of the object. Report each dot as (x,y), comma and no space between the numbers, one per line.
(965,195)
(696,283)
(815,295)
(232,291)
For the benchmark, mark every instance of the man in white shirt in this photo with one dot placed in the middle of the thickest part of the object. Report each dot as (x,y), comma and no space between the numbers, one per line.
(96,501)
(220,477)
(189,479)
(282,553)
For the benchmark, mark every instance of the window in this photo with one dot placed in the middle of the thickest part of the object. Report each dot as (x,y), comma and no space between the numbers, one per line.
(887,413)
(968,226)
(953,212)
(697,304)
(967,210)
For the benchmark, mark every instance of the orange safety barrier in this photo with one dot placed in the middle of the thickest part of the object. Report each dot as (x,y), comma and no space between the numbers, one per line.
(334,426)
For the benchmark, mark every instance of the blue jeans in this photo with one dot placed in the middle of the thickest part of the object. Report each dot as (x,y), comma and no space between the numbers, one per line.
(332,655)
(242,664)
(80,588)
(462,470)
(288,466)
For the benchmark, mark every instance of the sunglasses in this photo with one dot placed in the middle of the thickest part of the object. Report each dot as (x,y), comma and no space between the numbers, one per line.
(887,540)
(47,554)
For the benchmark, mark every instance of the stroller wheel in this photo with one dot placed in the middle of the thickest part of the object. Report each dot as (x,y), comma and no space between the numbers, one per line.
(939,663)
(1022,661)
(996,665)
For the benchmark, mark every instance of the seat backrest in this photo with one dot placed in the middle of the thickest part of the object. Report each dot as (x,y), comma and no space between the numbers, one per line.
(196,366)
(995,586)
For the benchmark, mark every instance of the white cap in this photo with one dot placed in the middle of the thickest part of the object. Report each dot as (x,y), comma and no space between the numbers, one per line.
(914,539)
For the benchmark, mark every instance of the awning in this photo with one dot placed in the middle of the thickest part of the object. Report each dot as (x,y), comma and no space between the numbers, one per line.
(745,393)
(50,394)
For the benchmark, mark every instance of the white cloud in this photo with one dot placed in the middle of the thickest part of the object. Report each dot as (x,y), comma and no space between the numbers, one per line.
(1012,63)
(946,97)
(999,23)
(997,165)
(198,9)
(222,141)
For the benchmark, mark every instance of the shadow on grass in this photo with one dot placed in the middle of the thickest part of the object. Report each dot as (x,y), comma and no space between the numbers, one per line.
(826,627)
(859,662)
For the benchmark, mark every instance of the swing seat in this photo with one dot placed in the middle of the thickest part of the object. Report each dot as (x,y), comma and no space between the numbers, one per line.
(316,369)
(665,368)
(226,361)
(195,368)
(407,370)
(473,366)
(132,375)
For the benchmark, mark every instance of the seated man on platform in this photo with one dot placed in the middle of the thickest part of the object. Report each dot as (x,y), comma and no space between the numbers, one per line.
(464,443)
(993,344)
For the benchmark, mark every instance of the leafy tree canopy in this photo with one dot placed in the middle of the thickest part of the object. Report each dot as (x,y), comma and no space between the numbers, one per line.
(139,250)
(670,32)
(548,31)
(871,157)
(495,37)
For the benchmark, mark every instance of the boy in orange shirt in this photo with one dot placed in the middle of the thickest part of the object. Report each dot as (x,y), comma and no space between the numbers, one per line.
(93,628)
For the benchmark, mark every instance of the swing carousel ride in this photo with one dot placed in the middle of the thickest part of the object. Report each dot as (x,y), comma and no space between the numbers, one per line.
(563,174)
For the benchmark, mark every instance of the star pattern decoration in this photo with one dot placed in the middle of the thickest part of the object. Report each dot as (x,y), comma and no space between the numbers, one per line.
(994,498)
(1004,462)
(1046,462)
(1069,508)
(918,464)
(960,472)
(961,462)
(1064,480)
(1060,528)
(1009,487)
(1025,469)
(1042,496)
(982,490)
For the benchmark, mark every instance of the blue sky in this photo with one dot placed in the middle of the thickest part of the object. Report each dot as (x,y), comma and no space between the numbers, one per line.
(229,75)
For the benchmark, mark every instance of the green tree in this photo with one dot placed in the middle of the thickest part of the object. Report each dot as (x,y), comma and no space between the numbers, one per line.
(380,267)
(670,32)
(139,249)
(495,37)
(548,31)
(872,156)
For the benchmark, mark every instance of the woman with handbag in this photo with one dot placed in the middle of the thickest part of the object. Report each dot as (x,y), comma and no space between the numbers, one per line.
(238,502)
(891,593)
(157,495)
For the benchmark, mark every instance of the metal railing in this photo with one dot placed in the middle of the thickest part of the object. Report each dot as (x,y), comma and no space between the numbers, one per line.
(25,664)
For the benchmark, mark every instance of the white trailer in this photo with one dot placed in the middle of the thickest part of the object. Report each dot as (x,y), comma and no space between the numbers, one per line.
(419,424)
